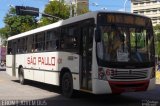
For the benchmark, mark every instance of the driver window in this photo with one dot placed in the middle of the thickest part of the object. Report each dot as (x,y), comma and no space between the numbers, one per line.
(114,44)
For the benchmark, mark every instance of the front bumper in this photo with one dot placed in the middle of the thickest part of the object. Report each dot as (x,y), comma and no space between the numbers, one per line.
(108,87)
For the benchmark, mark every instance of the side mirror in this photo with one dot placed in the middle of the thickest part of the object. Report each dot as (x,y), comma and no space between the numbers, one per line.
(97,35)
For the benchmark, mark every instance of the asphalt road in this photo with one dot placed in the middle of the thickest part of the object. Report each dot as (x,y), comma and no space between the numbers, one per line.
(39,94)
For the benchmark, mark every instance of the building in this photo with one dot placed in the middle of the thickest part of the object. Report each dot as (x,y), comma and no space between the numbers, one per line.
(2,51)
(79,6)
(150,8)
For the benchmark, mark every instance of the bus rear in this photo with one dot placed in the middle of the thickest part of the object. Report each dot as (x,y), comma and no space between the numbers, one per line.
(125,54)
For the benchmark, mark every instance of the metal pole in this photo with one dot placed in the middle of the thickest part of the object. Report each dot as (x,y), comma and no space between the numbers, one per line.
(59,7)
(70,8)
(76,5)
(125,5)
(0,50)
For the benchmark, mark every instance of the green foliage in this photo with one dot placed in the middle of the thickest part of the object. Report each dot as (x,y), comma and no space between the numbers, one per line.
(18,24)
(157,48)
(3,32)
(15,24)
(157,32)
(55,8)
(157,27)
(4,35)
(157,38)
(82,8)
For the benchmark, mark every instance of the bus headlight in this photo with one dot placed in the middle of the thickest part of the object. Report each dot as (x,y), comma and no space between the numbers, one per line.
(152,73)
(101,74)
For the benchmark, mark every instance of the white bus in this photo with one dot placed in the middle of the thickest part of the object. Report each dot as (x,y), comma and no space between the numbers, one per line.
(98,52)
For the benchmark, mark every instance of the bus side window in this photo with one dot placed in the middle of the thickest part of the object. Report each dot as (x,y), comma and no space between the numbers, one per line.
(29,43)
(25,45)
(39,42)
(69,38)
(18,46)
(22,45)
(9,48)
(9,51)
(52,40)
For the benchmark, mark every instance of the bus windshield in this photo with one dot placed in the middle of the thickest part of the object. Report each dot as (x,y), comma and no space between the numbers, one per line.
(126,43)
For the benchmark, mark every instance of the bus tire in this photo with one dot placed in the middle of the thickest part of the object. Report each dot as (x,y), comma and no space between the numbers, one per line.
(21,76)
(67,85)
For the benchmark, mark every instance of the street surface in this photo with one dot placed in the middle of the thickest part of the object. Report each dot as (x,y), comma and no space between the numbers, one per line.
(38,94)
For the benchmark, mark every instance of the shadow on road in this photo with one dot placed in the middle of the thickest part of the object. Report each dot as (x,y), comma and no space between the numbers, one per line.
(40,85)
(83,99)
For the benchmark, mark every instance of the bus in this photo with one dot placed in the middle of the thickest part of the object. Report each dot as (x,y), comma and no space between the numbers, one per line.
(98,52)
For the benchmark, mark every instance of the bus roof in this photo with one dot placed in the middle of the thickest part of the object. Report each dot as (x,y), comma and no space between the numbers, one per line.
(67,21)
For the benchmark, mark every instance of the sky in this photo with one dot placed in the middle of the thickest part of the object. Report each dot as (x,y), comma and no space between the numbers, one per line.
(114,5)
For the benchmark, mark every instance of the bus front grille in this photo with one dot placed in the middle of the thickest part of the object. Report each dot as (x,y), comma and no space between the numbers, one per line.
(130,74)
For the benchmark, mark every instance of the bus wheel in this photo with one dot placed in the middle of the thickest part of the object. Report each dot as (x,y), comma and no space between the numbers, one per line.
(21,76)
(67,85)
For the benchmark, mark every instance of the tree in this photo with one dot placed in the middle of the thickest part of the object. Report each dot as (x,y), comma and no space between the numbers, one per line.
(3,35)
(157,32)
(15,24)
(3,32)
(157,38)
(82,8)
(55,8)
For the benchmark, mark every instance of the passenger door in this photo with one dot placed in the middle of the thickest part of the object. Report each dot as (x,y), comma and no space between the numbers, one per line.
(86,44)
